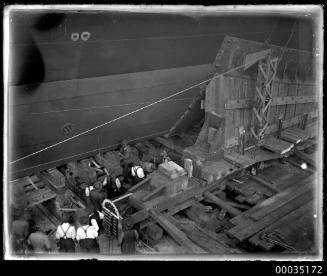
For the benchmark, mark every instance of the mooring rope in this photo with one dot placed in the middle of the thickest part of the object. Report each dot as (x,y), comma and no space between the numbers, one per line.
(142,108)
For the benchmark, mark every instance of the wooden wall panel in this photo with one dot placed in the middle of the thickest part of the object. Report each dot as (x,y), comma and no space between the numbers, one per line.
(292,91)
(281,110)
(229,113)
(273,109)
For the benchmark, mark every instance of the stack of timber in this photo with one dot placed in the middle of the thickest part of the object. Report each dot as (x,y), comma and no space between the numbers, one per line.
(279,211)
(208,240)
(35,191)
(54,178)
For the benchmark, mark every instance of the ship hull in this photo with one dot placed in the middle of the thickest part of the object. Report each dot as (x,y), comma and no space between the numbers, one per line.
(59,87)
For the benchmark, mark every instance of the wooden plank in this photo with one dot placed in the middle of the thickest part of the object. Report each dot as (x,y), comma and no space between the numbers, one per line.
(285,101)
(283,222)
(272,200)
(283,91)
(288,137)
(173,210)
(293,90)
(249,92)
(294,135)
(204,238)
(238,119)
(222,204)
(265,183)
(241,233)
(32,183)
(263,212)
(228,113)
(183,205)
(164,203)
(175,233)
(154,192)
(277,145)
(272,112)
(39,196)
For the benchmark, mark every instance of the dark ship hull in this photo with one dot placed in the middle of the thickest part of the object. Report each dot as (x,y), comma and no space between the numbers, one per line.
(60,87)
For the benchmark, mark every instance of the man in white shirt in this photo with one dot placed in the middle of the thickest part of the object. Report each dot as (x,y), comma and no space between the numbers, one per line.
(66,234)
(95,219)
(86,236)
(137,173)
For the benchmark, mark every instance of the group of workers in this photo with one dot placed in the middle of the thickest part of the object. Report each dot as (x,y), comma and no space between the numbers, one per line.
(26,237)
(83,231)
(86,235)
(109,185)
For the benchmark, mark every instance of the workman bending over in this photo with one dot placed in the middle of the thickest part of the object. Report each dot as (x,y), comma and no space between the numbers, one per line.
(137,173)
(87,236)
(66,234)
(39,242)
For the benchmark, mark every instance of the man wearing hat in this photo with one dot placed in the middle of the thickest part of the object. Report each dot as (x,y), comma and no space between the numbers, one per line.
(95,194)
(165,157)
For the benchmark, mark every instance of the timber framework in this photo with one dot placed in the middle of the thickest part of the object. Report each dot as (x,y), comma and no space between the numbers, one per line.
(242,180)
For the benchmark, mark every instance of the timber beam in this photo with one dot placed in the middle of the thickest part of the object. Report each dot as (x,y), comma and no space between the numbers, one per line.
(223,204)
(175,233)
(276,101)
(176,202)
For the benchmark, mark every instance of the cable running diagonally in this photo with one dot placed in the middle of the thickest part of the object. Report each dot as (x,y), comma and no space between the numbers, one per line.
(142,108)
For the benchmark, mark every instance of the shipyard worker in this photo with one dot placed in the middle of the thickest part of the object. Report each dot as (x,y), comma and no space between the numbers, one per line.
(39,242)
(95,195)
(137,174)
(114,186)
(124,164)
(96,219)
(165,157)
(148,167)
(86,236)
(128,239)
(66,234)
(125,151)
(20,231)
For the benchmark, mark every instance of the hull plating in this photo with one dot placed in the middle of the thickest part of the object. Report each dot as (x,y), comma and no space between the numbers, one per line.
(59,87)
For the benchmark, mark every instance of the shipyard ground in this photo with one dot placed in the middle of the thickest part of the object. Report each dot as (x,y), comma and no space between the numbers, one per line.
(271,212)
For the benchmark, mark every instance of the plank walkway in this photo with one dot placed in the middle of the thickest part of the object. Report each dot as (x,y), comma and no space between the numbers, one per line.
(279,209)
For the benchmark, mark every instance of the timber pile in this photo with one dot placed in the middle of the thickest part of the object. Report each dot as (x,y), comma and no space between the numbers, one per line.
(54,178)
(208,240)
(36,192)
(279,211)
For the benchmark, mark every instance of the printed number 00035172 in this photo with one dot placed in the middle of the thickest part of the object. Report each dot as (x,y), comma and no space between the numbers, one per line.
(301,269)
